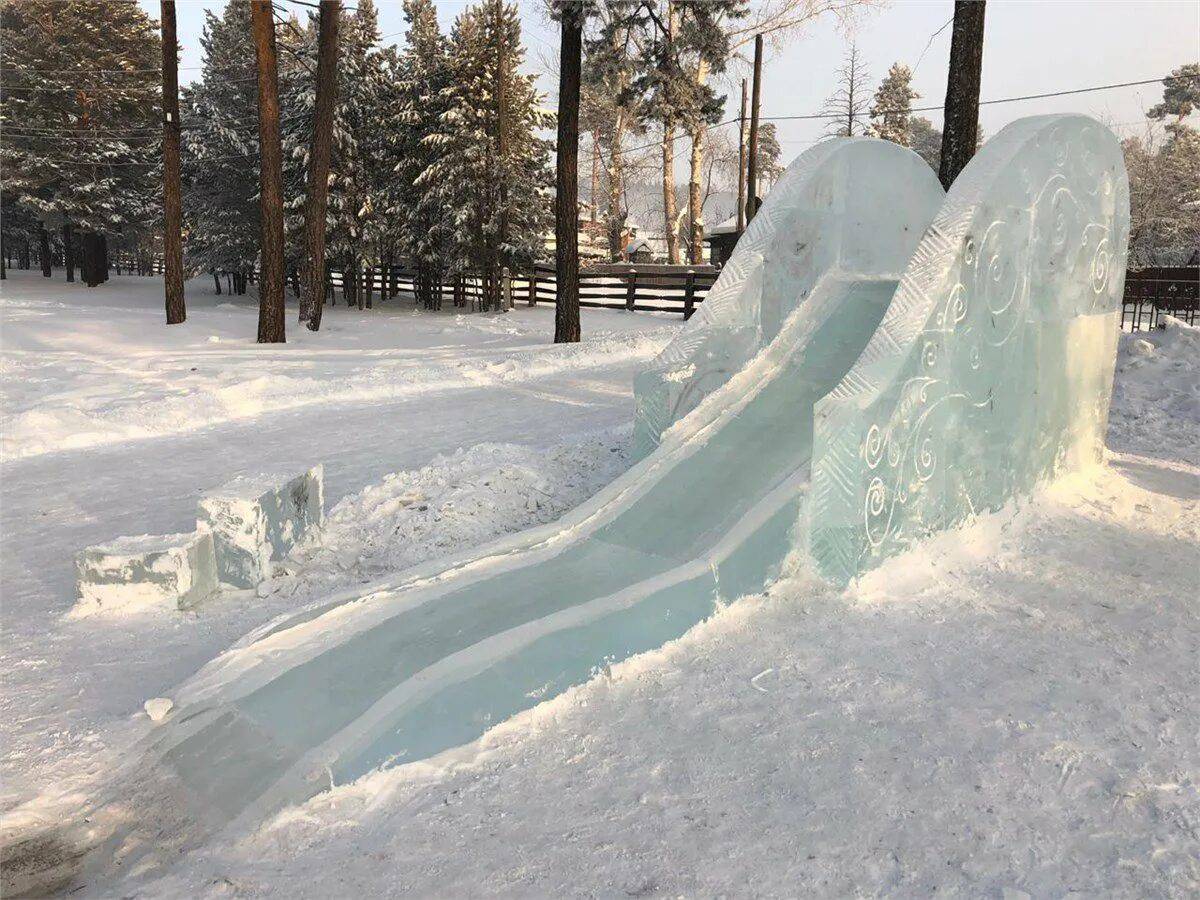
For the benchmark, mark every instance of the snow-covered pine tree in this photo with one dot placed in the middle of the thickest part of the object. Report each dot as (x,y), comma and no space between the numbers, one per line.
(490,173)
(79,98)
(412,192)
(925,140)
(353,202)
(220,148)
(891,110)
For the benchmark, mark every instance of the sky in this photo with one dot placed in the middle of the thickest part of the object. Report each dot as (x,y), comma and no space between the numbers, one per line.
(1030,47)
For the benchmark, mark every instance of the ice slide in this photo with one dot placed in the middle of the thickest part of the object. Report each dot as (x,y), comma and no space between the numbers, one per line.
(903,359)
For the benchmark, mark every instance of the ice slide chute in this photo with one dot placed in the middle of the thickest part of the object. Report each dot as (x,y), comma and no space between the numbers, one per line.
(821,369)
(434,659)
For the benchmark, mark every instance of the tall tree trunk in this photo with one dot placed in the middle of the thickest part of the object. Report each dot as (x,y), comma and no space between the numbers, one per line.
(695,176)
(594,188)
(502,116)
(670,205)
(960,131)
(566,206)
(44,250)
(217,279)
(172,201)
(68,251)
(616,180)
(312,294)
(3,258)
(270,179)
(752,152)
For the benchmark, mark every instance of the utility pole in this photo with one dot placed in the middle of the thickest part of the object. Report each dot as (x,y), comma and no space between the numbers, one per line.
(172,201)
(752,162)
(270,176)
(566,205)
(960,131)
(741,200)
(312,289)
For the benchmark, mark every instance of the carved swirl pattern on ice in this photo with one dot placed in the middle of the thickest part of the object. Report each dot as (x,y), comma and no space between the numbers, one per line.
(992,368)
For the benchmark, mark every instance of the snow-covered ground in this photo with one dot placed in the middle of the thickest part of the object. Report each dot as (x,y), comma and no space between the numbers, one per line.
(1012,709)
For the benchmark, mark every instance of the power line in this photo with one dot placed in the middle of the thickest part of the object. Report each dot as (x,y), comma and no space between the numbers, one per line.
(830,116)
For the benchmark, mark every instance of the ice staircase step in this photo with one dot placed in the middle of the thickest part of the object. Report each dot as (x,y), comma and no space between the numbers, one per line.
(148,570)
(258,519)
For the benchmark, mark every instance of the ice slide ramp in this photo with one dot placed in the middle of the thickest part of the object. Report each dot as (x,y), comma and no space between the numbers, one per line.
(878,365)
(434,659)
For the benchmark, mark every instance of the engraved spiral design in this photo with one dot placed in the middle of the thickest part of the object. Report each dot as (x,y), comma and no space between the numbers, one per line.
(992,369)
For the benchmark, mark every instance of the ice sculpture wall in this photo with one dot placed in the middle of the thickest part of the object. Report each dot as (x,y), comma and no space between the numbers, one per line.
(820,221)
(992,368)
(861,373)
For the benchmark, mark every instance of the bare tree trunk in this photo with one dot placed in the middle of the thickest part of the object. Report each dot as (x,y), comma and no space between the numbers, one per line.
(566,207)
(172,200)
(960,131)
(270,179)
(752,162)
(616,180)
(217,279)
(68,251)
(44,250)
(594,197)
(312,292)
(695,175)
(670,205)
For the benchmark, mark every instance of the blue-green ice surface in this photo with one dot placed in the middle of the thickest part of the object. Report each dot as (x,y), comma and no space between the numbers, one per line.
(875,363)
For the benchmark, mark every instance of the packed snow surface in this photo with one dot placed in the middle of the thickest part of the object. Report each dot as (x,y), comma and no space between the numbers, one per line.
(1009,710)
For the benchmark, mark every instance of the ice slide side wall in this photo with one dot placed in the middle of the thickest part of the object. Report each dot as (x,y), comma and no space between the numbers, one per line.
(992,369)
(853,205)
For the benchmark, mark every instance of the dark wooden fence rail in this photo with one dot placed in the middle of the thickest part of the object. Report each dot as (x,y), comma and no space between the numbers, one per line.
(649,289)
(1149,293)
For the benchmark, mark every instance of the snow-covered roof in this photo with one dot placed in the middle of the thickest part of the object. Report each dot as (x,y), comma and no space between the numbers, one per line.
(729,226)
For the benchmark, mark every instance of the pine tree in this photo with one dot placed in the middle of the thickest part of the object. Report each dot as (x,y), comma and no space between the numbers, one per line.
(354,204)
(80,98)
(891,110)
(412,192)
(681,45)
(610,109)
(220,143)
(490,173)
(925,140)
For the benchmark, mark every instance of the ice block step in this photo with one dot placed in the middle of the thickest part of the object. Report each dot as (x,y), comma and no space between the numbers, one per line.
(255,520)
(148,570)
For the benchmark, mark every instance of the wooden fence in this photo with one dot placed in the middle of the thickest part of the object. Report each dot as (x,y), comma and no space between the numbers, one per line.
(1149,293)
(650,288)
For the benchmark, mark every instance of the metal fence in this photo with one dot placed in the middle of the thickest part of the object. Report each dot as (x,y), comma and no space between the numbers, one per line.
(1151,293)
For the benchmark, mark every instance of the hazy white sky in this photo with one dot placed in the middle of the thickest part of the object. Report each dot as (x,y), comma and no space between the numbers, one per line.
(1031,47)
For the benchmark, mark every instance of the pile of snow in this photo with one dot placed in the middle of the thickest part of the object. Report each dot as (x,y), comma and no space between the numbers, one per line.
(1157,392)
(1010,710)
(460,500)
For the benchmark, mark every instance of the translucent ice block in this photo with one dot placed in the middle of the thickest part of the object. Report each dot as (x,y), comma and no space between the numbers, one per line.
(992,369)
(148,570)
(255,520)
